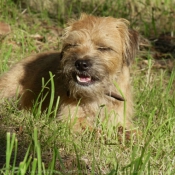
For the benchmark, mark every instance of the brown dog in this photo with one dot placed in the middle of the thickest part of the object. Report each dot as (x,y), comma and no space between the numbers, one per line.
(91,73)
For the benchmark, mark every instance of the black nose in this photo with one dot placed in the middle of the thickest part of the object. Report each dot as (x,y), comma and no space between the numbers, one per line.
(82,65)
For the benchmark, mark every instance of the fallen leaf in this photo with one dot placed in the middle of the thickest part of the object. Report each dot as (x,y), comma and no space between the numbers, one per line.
(4,28)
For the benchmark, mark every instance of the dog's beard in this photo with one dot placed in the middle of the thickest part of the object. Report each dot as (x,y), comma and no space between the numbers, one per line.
(85,84)
(92,91)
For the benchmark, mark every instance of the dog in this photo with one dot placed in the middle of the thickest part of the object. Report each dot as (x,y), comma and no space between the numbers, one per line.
(91,74)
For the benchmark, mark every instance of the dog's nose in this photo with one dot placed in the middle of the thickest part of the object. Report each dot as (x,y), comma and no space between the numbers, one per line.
(82,65)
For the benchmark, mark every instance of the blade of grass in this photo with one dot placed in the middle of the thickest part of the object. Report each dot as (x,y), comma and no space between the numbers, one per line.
(38,151)
(34,165)
(15,156)
(52,96)
(9,149)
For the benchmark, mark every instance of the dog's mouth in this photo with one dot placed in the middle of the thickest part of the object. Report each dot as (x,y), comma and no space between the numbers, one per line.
(84,79)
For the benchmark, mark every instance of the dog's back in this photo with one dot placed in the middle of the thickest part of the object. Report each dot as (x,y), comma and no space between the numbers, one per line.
(25,78)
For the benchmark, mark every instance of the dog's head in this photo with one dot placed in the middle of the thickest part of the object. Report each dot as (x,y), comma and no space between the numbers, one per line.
(94,51)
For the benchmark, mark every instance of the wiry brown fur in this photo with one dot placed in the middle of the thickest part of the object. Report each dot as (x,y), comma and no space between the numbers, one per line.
(108,45)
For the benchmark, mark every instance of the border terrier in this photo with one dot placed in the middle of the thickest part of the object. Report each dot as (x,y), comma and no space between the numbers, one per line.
(91,74)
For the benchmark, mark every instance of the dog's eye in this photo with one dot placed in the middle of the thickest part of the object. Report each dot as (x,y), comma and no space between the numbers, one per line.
(73,45)
(68,46)
(103,49)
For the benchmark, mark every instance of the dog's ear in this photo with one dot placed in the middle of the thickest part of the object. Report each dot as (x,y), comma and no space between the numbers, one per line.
(131,46)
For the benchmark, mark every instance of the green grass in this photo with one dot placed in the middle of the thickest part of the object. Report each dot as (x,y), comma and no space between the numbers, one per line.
(45,145)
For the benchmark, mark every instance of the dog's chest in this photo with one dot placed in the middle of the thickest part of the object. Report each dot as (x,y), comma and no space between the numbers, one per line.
(92,110)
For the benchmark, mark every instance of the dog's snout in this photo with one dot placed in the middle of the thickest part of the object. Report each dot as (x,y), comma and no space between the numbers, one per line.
(82,65)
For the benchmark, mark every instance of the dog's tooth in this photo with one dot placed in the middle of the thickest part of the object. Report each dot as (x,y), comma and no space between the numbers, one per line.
(78,78)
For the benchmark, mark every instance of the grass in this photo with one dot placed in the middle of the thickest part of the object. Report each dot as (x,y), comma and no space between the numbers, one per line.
(38,144)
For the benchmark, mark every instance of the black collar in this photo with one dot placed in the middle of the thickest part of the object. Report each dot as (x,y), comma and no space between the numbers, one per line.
(110,94)
(115,96)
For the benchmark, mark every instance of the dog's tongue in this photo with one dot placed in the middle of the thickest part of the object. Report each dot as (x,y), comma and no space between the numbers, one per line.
(83,78)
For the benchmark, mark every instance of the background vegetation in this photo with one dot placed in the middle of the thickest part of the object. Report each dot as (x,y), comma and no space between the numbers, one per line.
(31,143)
